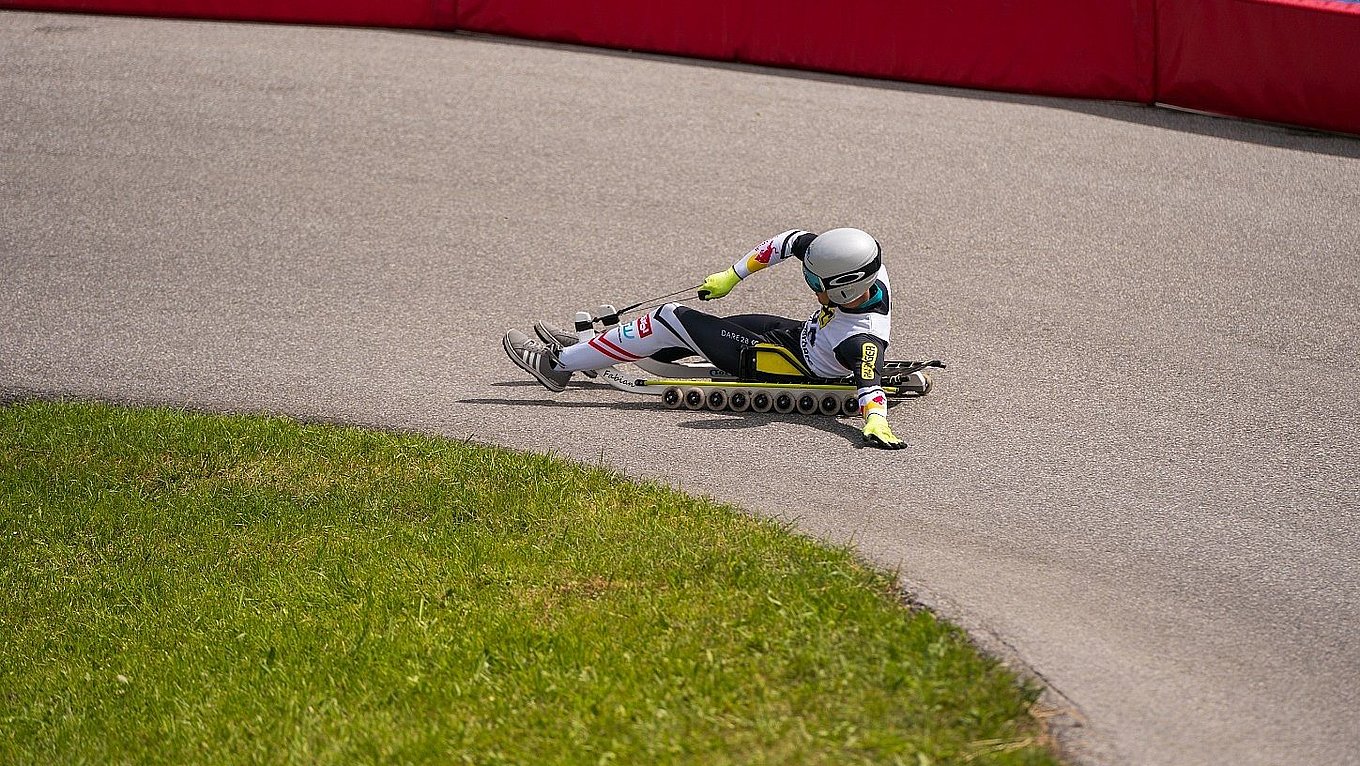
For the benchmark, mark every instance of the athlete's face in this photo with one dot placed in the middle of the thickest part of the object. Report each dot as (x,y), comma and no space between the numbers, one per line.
(860,300)
(825,299)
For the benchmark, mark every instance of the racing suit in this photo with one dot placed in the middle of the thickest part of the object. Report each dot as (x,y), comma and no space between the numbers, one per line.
(835,342)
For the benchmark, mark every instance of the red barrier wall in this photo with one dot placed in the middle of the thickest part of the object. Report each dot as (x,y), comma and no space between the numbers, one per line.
(1055,47)
(1098,49)
(1292,61)
(416,14)
(1279,60)
(704,28)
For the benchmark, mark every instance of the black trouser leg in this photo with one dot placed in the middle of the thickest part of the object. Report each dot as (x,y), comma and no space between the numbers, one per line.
(722,339)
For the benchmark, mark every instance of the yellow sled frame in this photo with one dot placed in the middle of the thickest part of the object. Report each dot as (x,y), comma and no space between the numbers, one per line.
(772,362)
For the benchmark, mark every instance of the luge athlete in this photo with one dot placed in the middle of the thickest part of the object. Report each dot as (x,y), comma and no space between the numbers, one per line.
(847,336)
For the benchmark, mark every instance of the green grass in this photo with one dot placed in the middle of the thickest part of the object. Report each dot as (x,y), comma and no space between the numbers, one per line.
(180,588)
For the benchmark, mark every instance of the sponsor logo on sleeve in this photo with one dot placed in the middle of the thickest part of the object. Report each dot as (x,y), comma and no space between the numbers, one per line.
(644,325)
(765,252)
(868,361)
(876,403)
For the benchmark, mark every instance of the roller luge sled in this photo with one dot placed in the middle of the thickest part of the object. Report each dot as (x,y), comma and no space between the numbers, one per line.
(772,379)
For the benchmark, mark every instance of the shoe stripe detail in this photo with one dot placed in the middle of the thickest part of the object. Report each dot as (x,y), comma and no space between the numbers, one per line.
(531,358)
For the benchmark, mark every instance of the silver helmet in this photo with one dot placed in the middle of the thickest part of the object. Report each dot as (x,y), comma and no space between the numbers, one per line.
(843,263)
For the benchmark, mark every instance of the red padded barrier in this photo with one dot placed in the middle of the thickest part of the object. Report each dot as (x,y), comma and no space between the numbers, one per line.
(418,14)
(1290,61)
(1057,47)
(1295,61)
(1099,49)
(701,28)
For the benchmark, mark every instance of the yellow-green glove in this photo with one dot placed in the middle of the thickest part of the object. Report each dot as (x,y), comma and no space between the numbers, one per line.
(878,434)
(718,285)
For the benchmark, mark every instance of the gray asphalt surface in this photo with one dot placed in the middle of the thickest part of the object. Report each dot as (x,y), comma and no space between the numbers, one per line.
(1138,476)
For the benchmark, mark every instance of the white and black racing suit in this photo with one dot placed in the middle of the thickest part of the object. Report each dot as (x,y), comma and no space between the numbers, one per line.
(835,342)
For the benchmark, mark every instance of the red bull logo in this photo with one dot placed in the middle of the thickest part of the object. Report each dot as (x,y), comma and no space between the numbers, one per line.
(765,252)
(876,403)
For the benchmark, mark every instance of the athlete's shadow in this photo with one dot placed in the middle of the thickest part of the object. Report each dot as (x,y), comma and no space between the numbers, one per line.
(586,383)
(556,403)
(717,421)
(734,421)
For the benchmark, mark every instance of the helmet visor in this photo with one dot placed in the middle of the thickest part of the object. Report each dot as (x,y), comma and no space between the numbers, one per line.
(814,281)
(866,274)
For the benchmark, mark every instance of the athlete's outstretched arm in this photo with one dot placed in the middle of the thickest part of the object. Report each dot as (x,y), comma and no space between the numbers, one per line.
(864,355)
(793,242)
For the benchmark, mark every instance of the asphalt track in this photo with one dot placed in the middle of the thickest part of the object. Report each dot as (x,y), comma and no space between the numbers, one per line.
(1138,476)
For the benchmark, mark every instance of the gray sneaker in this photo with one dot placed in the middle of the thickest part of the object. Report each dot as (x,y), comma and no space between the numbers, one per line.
(556,336)
(536,359)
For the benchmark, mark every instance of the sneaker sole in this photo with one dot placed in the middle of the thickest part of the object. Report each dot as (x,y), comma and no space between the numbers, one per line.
(523,365)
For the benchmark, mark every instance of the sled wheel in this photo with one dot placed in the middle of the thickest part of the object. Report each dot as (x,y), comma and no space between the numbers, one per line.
(807,404)
(761,402)
(738,401)
(671,398)
(694,399)
(717,400)
(830,404)
(784,403)
(850,406)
